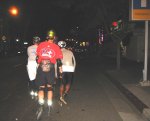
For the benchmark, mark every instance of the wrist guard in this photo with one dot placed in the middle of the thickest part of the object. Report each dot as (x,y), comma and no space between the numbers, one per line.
(59,63)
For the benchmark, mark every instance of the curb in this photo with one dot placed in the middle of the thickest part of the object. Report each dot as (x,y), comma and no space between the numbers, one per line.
(146,113)
(143,108)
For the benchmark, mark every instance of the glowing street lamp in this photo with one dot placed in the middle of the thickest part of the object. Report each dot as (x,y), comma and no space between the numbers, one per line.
(13,11)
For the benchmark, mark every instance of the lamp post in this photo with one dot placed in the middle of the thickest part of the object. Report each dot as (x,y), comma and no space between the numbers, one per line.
(13,11)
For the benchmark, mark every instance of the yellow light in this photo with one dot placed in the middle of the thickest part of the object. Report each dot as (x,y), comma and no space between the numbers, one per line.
(13,11)
(83,43)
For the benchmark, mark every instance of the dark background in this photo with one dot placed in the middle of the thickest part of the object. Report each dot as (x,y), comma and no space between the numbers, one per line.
(36,17)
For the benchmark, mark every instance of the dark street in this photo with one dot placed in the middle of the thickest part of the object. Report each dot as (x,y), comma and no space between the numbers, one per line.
(93,96)
(105,43)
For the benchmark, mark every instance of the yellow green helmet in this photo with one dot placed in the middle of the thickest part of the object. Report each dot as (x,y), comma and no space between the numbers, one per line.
(51,34)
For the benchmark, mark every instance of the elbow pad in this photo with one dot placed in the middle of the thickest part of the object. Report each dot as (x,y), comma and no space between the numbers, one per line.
(37,59)
(59,63)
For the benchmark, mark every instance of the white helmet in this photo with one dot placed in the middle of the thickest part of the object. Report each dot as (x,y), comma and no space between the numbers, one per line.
(62,44)
(36,39)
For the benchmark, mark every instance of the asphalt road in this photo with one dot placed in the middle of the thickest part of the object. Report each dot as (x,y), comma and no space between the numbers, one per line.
(93,96)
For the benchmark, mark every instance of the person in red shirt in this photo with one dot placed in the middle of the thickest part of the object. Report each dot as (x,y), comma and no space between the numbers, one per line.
(48,54)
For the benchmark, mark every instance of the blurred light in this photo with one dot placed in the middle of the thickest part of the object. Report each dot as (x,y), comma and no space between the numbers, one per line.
(115,23)
(31,93)
(25,43)
(13,11)
(17,40)
(87,44)
(35,94)
(83,43)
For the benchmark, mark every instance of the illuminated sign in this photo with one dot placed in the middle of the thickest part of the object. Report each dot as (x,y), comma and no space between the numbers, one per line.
(140,10)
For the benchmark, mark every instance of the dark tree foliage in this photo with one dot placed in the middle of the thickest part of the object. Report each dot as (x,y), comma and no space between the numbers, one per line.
(63,14)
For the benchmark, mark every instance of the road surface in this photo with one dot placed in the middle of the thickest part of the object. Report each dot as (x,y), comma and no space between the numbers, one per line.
(93,97)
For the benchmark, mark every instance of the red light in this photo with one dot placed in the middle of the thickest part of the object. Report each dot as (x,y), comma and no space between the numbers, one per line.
(115,24)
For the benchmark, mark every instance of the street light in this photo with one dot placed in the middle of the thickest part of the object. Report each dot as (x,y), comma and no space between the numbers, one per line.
(13,10)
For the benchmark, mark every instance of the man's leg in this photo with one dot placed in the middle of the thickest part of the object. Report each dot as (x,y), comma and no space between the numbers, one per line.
(31,89)
(40,101)
(41,95)
(67,89)
(32,69)
(49,94)
(30,82)
(69,78)
(35,89)
(61,89)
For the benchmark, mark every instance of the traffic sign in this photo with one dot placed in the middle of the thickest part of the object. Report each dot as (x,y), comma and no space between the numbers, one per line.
(140,10)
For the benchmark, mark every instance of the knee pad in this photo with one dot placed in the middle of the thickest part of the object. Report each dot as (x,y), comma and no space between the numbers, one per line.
(41,88)
(50,88)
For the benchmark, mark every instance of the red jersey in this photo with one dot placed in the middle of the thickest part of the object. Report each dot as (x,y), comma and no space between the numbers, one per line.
(49,51)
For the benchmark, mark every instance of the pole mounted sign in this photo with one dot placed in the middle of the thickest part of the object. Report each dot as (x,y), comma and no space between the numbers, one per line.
(140,10)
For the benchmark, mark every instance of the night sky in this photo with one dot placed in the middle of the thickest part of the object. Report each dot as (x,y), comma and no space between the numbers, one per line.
(36,17)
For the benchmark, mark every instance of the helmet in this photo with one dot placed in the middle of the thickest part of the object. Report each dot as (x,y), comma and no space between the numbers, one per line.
(51,34)
(36,39)
(62,44)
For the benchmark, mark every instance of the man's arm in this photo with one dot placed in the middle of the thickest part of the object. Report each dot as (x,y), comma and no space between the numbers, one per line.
(28,51)
(59,65)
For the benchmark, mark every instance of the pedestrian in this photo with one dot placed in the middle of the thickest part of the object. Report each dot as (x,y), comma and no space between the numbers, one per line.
(68,68)
(48,54)
(32,65)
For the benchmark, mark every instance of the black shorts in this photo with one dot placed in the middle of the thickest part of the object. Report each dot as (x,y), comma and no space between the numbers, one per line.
(44,78)
(67,78)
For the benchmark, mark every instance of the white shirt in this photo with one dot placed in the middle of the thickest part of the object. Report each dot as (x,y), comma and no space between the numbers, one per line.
(68,61)
(31,51)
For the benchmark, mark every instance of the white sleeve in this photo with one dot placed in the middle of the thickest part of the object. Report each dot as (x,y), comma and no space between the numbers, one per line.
(74,60)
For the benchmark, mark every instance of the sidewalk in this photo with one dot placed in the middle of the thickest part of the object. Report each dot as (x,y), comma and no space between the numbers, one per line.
(127,79)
